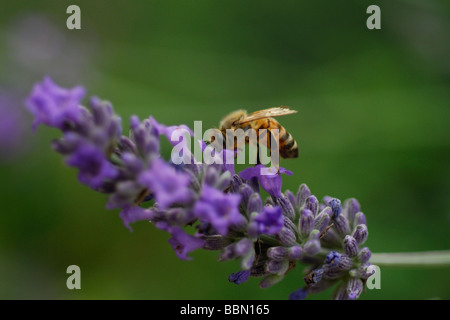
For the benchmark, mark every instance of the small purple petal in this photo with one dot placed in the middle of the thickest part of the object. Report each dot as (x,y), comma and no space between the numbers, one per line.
(184,243)
(269,182)
(131,214)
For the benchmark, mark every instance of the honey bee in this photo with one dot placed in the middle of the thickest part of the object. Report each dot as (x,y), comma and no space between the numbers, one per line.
(263,119)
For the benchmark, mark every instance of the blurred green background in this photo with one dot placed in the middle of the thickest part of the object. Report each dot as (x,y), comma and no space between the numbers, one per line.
(373,123)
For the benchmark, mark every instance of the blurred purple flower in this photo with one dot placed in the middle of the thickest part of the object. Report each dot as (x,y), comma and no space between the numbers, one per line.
(218,208)
(94,167)
(36,46)
(167,184)
(54,106)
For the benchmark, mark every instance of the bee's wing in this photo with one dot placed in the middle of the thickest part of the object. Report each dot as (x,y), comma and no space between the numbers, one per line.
(267,113)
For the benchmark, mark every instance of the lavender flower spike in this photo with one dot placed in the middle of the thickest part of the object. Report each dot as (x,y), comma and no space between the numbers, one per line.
(224,211)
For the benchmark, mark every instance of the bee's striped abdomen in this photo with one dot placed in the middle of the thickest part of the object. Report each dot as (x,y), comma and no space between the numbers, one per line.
(288,145)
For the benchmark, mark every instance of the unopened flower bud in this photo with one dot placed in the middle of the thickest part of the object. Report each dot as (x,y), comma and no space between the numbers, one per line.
(306,223)
(254,204)
(277,253)
(335,205)
(312,246)
(286,237)
(289,224)
(236,182)
(286,206)
(245,191)
(350,246)
(364,255)
(366,270)
(302,194)
(341,225)
(351,208)
(354,288)
(295,253)
(360,218)
(361,233)
(322,220)
(312,204)
(277,267)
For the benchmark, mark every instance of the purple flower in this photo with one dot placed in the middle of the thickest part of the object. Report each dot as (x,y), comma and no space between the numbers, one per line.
(269,182)
(167,184)
(218,208)
(131,214)
(54,106)
(270,220)
(183,243)
(94,167)
(239,277)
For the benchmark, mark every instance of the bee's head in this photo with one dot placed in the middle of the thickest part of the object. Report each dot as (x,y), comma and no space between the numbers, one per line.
(231,120)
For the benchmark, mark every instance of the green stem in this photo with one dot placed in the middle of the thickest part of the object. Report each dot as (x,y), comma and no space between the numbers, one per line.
(412,259)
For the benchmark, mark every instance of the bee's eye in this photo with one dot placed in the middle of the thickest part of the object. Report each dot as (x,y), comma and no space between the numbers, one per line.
(235,123)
